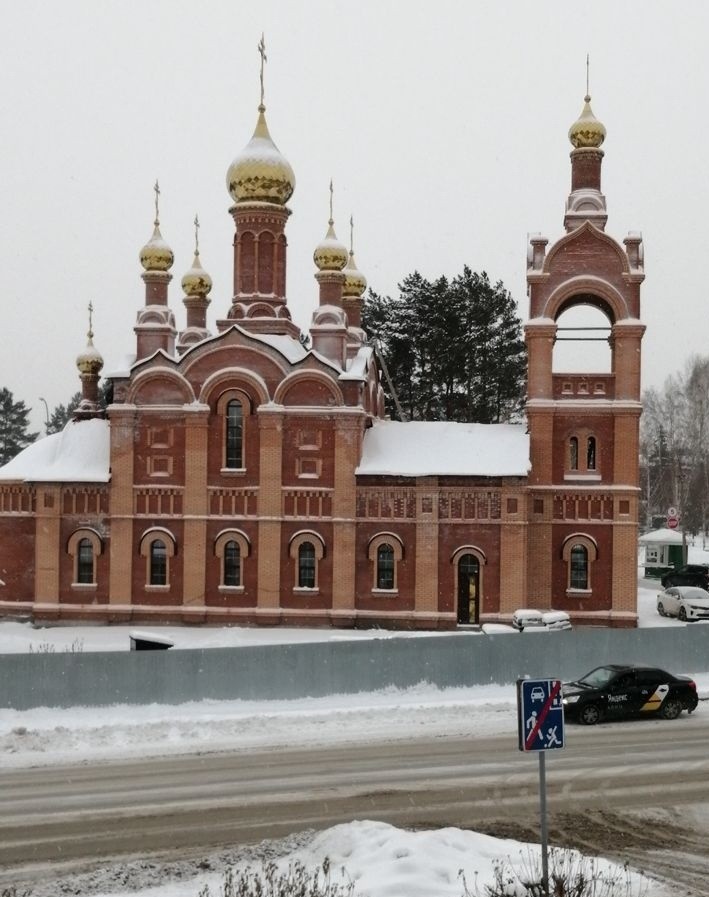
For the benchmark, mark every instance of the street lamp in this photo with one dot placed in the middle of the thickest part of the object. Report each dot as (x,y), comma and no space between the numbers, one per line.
(46,414)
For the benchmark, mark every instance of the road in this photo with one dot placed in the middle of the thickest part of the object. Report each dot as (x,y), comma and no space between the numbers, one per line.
(601,791)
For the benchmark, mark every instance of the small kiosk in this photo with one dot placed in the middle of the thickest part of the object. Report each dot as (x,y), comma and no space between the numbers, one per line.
(663,551)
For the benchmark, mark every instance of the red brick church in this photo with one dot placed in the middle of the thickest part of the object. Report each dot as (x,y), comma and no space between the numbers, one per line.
(238,477)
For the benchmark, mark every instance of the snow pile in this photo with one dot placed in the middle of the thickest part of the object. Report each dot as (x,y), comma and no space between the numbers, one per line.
(428,448)
(384,861)
(45,736)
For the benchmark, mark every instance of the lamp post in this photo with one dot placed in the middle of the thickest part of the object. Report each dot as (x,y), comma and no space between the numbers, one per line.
(46,415)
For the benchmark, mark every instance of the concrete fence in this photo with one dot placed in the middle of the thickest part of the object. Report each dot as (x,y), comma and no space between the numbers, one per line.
(336,667)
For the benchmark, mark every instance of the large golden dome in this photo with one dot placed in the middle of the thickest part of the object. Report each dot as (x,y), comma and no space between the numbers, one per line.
(260,173)
(330,254)
(156,255)
(587,131)
(355,282)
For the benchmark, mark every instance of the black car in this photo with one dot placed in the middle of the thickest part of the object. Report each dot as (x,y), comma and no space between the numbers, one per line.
(689,575)
(619,691)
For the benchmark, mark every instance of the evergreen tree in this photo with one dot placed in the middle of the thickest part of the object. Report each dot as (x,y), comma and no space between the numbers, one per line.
(13,426)
(454,349)
(62,414)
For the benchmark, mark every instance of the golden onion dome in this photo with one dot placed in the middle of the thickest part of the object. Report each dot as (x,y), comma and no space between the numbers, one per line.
(90,360)
(330,254)
(260,173)
(587,131)
(196,281)
(156,255)
(355,282)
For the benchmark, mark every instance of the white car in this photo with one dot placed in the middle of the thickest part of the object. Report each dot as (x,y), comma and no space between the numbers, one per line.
(684,602)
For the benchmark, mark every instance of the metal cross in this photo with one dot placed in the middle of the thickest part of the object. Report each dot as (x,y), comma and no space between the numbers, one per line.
(587,77)
(351,235)
(90,334)
(262,52)
(196,234)
(156,188)
(331,221)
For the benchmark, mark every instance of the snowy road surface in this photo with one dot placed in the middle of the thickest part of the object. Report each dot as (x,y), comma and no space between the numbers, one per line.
(74,814)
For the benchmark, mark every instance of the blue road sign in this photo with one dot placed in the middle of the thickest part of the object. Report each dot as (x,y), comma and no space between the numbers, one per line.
(540,714)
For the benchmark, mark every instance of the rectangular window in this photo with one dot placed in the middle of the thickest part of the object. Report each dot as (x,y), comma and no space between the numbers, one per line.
(85,562)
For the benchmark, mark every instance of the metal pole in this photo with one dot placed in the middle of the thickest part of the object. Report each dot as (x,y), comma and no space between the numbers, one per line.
(543,820)
(46,415)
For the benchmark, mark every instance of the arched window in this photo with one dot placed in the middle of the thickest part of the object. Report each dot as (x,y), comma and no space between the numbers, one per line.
(573,453)
(307,549)
(84,546)
(385,566)
(234,430)
(231,547)
(306,566)
(232,564)
(158,563)
(579,551)
(591,453)
(85,562)
(385,550)
(578,572)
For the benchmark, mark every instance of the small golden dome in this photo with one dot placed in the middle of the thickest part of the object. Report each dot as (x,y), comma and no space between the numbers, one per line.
(90,360)
(156,255)
(196,281)
(260,173)
(330,254)
(587,131)
(355,282)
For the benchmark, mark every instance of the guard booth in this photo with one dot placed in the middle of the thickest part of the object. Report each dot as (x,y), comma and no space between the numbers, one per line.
(663,551)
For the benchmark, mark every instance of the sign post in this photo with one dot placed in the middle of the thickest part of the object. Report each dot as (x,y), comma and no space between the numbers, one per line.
(540,723)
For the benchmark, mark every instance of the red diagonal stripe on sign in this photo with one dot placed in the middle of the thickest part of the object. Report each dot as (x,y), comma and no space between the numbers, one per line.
(542,714)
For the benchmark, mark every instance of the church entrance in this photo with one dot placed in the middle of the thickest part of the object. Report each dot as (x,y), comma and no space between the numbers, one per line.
(468,588)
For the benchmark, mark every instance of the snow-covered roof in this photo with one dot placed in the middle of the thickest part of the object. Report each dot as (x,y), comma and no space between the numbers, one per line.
(430,448)
(662,536)
(287,345)
(79,454)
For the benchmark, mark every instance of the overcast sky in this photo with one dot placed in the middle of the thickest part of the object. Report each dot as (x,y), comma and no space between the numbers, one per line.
(444,126)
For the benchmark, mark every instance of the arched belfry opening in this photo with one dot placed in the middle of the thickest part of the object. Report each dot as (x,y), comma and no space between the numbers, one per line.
(583,337)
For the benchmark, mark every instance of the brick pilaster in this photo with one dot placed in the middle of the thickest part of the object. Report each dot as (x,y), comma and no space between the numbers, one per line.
(195,506)
(348,441)
(121,504)
(270,507)
(426,594)
(47,542)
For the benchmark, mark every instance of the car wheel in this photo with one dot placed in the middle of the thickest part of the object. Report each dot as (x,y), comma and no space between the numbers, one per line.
(661,609)
(682,615)
(590,714)
(671,709)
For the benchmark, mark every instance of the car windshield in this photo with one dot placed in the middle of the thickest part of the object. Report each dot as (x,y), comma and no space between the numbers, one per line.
(598,678)
(689,592)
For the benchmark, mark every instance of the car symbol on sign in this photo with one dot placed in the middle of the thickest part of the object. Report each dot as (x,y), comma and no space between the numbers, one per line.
(538,694)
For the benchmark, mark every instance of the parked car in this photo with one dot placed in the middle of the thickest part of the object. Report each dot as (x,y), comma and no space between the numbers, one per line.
(685,602)
(619,691)
(689,575)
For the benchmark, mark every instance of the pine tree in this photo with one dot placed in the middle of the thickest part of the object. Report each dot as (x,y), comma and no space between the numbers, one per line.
(13,426)
(62,414)
(454,349)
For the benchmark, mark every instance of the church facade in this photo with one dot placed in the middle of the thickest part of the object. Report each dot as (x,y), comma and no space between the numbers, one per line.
(240,477)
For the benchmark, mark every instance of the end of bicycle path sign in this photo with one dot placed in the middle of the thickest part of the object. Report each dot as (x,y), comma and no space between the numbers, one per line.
(540,714)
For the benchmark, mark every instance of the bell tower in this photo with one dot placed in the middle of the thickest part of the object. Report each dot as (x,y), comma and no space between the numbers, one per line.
(584,427)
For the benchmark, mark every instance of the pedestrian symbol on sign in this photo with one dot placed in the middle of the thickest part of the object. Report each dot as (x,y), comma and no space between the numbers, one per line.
(540,714)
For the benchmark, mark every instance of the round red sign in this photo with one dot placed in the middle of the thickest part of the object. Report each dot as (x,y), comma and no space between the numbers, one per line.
(673,522)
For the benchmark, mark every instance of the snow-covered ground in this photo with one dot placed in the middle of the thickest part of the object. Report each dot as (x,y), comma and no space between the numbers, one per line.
(382,860)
